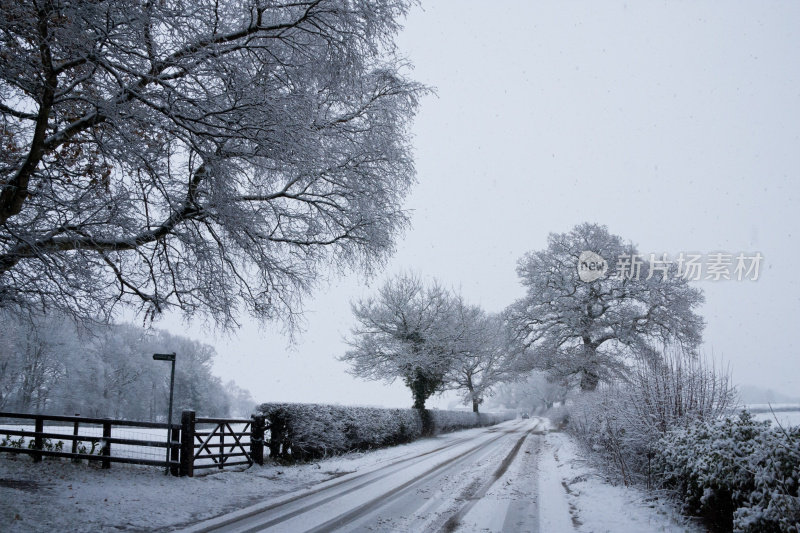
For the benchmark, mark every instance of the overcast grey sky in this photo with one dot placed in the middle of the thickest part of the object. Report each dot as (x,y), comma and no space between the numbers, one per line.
(677,124)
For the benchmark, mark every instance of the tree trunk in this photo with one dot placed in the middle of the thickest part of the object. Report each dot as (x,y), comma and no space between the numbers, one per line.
(589,376)
(418,393)
(419,401)
(475,399)
(426,418)
(589,381)
(422,386)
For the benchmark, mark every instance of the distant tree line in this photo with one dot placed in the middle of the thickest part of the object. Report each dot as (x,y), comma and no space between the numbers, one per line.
(213,157)
(48,365)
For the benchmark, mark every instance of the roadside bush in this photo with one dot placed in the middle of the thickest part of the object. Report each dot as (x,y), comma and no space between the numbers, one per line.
(48,445)
(9,441)
(623,422)
(558,415)
(739,474)
(300,432)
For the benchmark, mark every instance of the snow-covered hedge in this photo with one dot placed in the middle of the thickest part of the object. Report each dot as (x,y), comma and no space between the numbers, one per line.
(307,431)
(738,473)
(444,421)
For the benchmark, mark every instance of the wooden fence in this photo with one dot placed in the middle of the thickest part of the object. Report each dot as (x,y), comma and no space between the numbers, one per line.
(190,444)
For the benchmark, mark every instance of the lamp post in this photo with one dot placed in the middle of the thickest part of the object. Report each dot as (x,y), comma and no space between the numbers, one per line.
(168,357)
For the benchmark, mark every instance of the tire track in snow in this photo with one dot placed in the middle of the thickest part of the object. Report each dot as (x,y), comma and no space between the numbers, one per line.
(236,521)
(522,512)
(453,522)
(377,502)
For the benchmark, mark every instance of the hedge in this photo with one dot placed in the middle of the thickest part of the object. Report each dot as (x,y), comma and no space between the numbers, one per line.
(738,473)
(445,421)
(300,432)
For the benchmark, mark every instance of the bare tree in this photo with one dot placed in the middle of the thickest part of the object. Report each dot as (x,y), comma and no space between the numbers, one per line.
(242,403)
(407,331)
(484,354)
(211,155)
(117,350)
(586,330)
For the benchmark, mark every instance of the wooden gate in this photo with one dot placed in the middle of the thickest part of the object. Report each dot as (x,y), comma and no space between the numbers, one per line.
(219,444)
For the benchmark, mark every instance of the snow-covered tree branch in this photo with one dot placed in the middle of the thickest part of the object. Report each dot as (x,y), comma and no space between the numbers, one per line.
(212,156)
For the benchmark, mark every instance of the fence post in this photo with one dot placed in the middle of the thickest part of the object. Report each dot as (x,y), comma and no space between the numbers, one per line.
(106,450)
(38,442)
(257,439)
(175,436)
(277,434)
(221,445)
(75,440)
(187,444)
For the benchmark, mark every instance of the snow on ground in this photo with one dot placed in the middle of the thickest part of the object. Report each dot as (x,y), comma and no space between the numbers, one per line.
(513,502)
(546,478)
(595,505)
(59,495)
(774,406)
(784,418)
(554,505)
(551,480)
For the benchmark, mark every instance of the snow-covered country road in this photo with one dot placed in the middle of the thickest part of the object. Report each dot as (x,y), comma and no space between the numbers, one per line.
(513,477)
(464,484)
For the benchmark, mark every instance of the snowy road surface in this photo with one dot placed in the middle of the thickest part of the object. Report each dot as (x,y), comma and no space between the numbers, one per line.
(463,484)
(512,477)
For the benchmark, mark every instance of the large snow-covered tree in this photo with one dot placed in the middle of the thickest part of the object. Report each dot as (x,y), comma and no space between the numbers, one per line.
(407,331)
(213,155)
(584,330)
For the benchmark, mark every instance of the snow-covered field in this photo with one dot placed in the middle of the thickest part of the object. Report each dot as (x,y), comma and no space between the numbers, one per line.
(547,487)
(785,418)
(785,414)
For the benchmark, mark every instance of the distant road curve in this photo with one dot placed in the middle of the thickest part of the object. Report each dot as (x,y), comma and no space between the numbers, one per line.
(441,489)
